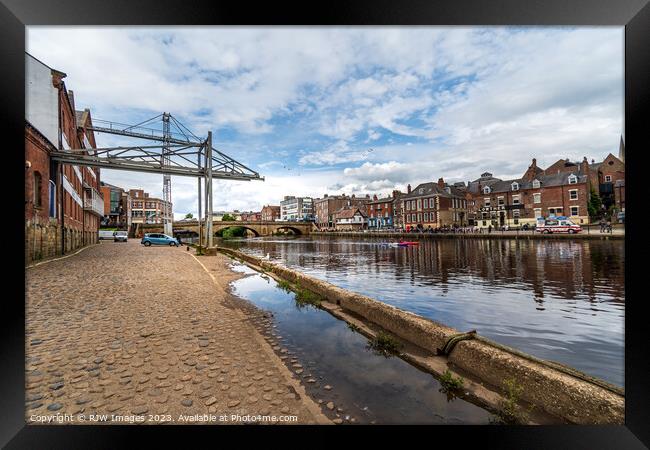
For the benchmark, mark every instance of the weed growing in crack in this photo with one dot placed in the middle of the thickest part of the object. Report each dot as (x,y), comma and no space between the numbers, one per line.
(385,345)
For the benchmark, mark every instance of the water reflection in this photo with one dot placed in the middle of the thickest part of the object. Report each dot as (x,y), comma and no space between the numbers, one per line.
(556,299)
(367,386)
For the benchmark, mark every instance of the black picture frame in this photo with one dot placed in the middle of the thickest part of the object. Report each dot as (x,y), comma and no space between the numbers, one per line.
(634,15)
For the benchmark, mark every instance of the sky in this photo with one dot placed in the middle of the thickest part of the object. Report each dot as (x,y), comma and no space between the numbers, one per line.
(351,110)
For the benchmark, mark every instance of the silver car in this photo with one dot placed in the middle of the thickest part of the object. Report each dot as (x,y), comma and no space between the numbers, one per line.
(120,236)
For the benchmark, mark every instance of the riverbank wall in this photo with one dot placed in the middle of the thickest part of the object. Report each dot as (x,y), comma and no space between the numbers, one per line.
(524,235)
(557,390)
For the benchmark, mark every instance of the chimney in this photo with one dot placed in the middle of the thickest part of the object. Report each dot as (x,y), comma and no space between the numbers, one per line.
(593,161)
(374,197)
(408,189)
(584,167)
(395,193)
(441,183)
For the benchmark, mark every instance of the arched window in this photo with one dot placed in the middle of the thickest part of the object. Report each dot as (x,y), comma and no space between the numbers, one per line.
(573,179)
(515,186)
(38,187)
(486,190)
(536,184)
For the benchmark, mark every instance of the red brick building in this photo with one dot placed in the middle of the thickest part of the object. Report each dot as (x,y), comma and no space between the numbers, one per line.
(117,207)
(63,205)
(381,211)
(325,208)
(251,216)
(561,190)
(270,213)
(434,205)
(147,209)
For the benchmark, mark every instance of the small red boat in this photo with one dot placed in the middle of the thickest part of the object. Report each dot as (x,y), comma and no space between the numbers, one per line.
(407,243)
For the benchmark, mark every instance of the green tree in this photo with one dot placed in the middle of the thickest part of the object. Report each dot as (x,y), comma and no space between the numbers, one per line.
(228,218)
(595,204)
(189,216)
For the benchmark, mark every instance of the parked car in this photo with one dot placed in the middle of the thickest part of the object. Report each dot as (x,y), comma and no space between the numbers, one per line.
(559,224)
(106,234)
(158,239)
(120,236)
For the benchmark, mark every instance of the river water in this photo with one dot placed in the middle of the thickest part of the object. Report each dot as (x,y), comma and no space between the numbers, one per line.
(561,300)
(365,387)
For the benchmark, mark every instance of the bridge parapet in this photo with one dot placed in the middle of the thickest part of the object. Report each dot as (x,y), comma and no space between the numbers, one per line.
(261,228)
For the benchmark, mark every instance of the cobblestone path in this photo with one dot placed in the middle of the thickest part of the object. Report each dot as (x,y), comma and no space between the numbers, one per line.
(124,330)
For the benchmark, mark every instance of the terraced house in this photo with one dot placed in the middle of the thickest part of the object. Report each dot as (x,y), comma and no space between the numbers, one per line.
(381,212)
(434,205)
(538,193)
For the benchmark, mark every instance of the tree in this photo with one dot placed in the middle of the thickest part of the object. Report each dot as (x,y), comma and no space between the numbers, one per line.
(189,216)
(228,218)
(595,204)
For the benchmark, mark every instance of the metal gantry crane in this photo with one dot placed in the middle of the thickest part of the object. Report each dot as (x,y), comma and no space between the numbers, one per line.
(175,151)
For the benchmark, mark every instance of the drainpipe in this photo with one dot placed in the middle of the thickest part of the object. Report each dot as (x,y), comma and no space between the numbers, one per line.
(61,185)
(83,207)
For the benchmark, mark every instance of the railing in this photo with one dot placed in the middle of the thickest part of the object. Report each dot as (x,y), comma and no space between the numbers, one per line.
(93,201)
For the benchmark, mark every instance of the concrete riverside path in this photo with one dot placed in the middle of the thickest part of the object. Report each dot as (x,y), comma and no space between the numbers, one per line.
(149,335)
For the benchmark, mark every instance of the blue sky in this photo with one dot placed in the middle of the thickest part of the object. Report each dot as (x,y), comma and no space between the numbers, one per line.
(354,109)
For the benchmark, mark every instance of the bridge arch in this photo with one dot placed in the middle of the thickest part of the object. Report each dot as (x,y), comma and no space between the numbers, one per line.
(218,230)
(295,230)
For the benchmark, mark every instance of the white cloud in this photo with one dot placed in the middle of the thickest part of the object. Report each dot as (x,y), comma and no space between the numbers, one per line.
(432,101)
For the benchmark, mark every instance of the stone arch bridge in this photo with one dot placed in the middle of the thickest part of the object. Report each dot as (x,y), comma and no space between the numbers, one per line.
(258,228)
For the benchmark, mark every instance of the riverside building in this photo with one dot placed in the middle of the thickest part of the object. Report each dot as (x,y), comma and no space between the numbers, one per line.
(63,204)
(434,205)
(297,209)
(146,209)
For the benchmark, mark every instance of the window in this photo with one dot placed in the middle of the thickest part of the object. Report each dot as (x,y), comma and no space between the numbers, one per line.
(37,189)
(536,184)
(555,211)
(500,201)
(412,217)
(608,178)
(574,210)
(515,186)
(426,217)
(573,194)
(515,200)
(426,203)
(515,216)
(421,190)
(573,179)
(537,198)
(538,212)
(408,206)
(486,201)
(486,190)
(419,204)
(419,217)
(413,205)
